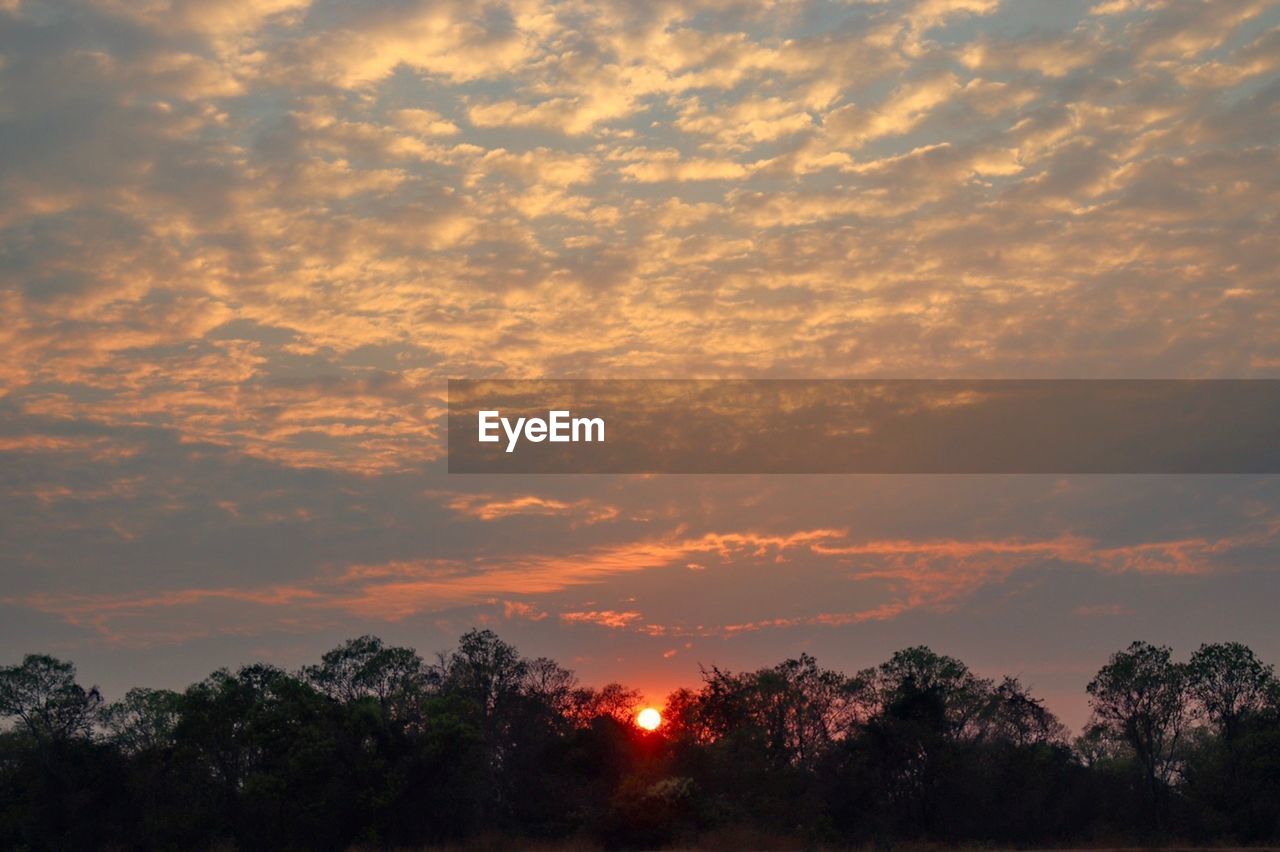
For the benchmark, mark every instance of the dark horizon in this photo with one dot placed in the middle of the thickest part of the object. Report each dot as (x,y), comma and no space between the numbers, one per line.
(244,247)
(375,746)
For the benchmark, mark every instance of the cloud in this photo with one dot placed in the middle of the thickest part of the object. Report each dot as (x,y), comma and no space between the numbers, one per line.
(604,618)
(852,127)
(246,243)
(488,507)
(424,122)
(518,609)
(214,17)
(746,122)
(659,166)
(360,46)
(930,575)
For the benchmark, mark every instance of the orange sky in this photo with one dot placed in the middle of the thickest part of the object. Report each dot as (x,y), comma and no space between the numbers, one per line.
(244,244)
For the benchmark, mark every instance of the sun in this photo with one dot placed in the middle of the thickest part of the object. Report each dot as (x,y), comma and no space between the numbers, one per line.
(649,719)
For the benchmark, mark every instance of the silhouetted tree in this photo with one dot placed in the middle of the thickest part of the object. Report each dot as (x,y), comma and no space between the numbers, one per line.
(1229,683)
(366,668)
(1139,700)
(1015,716)
(796,708)
(59,787)
(372,747)
(613,700)
(916,675)
(1236,756)
(43,694)
(144,720)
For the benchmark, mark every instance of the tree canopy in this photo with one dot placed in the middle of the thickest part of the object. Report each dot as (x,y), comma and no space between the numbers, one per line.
(374,746)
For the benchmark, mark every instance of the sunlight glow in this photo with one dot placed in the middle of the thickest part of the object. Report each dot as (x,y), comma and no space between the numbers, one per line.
(649,719)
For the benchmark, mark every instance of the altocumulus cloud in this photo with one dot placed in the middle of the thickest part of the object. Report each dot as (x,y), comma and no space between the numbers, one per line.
(242,244)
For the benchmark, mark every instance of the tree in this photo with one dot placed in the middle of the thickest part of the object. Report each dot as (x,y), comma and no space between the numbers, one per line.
(1018,718)
(366,668)
(613,700)
(912,672)
(1139,698)
(553,686)
(42,693)
(796,708)
(485,670)
(144,719)
(492,679)
(683,717)
(804,707)
(258,750)
(1231,771)
(1229,683)
(372,748)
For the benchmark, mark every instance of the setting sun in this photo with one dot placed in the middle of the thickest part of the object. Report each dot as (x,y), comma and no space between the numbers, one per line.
(649,719)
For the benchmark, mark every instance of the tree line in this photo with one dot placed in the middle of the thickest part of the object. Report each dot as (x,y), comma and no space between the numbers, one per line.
(376,747)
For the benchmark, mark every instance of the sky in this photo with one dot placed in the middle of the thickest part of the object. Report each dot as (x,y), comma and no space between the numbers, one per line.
(243,245)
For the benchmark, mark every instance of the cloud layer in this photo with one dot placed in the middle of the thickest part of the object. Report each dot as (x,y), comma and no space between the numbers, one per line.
(242,244)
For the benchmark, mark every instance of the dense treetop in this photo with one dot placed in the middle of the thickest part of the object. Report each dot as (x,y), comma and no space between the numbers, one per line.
(375,746)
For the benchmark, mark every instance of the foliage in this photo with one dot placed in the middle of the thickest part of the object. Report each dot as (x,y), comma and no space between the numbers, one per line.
(374,747)
(43,694)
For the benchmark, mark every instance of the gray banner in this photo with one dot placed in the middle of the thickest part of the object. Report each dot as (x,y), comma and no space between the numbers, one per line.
(864,426)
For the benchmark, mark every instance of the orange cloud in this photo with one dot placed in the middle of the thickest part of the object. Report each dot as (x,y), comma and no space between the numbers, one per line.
(519,609)
(925,574)
(604,618)
(490,508)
